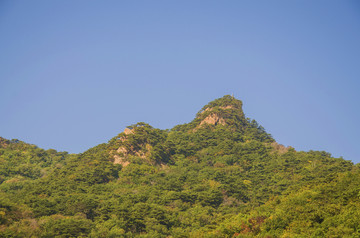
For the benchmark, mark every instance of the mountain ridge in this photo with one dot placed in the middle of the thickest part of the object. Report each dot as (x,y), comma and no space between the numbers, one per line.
(220,175)
(225,112)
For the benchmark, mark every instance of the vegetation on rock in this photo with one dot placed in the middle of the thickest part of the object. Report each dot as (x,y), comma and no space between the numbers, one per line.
(220,175)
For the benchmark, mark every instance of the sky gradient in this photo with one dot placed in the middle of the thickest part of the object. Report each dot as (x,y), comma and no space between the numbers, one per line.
(74,74)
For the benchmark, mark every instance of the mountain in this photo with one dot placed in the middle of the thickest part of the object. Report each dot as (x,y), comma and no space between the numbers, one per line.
(221,175)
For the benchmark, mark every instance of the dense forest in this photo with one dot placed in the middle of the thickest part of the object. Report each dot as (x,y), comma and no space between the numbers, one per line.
(221,175)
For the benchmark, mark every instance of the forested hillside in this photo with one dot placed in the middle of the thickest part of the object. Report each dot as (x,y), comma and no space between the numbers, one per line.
(220,175)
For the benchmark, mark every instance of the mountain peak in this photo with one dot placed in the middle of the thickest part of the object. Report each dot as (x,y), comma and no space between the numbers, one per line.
(226,110)
(224,102)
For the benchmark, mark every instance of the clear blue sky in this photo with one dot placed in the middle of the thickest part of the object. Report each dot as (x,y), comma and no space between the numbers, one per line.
(74,74)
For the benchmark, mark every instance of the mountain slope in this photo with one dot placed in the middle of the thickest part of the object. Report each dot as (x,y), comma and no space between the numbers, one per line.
(220,175)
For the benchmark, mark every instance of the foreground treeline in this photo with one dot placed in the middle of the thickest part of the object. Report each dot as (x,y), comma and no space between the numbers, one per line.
(221,175)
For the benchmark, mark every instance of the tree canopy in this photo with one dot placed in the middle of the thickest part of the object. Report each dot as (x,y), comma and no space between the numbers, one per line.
(221,175)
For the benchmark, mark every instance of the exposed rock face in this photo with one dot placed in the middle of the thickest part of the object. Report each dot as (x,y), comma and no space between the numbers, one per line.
(121,160)
(209,109)
(213,119)
(128,131)
(281,149)
(121,155)
(4,142)
(122,150)
(125,152)
(226,111)
(212,116)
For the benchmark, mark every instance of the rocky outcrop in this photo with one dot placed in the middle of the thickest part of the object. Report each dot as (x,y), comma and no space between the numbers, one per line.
(209,109)
(121,160)
(125,150)
(213,119)
(279,148)
(4,142)
(121,154)
(128,131)
(213,116)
